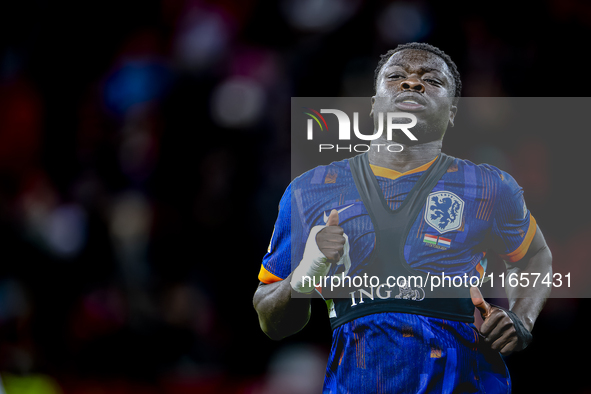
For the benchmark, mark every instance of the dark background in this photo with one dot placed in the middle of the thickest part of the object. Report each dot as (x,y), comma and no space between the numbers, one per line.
(144,147)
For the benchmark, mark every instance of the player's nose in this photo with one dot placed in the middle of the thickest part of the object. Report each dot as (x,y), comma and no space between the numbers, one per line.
(412,84)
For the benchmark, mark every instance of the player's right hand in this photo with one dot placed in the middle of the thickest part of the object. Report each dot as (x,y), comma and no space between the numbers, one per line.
(325,245)
(331,239)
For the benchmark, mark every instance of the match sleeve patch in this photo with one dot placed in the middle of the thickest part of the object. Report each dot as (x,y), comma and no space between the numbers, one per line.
(268,277)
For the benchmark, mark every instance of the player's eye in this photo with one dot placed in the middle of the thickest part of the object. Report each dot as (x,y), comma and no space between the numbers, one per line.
(395,76)
(432,81)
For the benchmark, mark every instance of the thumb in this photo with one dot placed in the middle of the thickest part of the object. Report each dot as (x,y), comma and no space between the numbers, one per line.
(333,218)
(479,302)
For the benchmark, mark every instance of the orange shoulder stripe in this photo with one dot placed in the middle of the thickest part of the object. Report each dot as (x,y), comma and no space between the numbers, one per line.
(267,277)
(518,253)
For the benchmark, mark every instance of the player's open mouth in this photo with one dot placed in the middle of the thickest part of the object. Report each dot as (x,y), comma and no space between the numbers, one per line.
(409,103)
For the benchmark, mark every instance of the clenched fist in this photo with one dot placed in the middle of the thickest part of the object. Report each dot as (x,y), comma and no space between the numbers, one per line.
(331,239)
(502,330)
(325,245)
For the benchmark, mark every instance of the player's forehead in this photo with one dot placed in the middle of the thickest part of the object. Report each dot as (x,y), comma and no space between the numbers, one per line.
(418,60)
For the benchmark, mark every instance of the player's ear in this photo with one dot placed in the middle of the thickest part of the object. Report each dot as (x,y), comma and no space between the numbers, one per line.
(452,114)
(373,101)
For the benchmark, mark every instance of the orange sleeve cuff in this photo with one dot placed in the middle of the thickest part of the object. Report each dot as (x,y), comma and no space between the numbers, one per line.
(267,277)
(518,253)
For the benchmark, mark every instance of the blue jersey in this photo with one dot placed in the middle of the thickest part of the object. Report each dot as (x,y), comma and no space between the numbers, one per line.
(472,208)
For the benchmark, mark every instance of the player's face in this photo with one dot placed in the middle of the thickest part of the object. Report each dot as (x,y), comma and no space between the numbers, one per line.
(418,82)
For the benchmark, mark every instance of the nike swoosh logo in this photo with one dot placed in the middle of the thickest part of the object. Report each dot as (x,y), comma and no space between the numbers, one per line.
(339,211)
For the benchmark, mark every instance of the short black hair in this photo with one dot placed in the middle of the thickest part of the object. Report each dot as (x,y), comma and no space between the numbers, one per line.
(424,47)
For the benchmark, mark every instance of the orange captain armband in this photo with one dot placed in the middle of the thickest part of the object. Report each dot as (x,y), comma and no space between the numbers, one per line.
(267,277)
(518,253)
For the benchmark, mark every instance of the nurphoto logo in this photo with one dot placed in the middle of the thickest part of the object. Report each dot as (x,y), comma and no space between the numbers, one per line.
(345,129)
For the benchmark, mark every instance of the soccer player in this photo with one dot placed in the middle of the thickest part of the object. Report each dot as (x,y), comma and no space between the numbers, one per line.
(415,212)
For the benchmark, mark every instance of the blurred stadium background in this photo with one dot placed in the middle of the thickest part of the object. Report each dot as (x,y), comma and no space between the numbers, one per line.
(144,146)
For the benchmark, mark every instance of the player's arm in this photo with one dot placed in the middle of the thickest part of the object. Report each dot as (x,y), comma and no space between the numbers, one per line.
(280,314)
(527,301)
(516,237)
(503,332)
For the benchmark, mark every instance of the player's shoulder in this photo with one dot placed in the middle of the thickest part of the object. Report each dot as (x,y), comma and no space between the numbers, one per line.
(480,169)
(335,173)
(488,174)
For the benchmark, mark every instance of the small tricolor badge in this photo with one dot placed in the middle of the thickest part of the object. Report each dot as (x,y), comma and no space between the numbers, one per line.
(437,242)
(430,239)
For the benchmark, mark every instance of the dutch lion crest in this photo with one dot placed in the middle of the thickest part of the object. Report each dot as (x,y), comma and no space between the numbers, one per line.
(444,211)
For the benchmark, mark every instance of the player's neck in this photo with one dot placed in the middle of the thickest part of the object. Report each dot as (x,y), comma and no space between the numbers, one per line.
(411,156)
